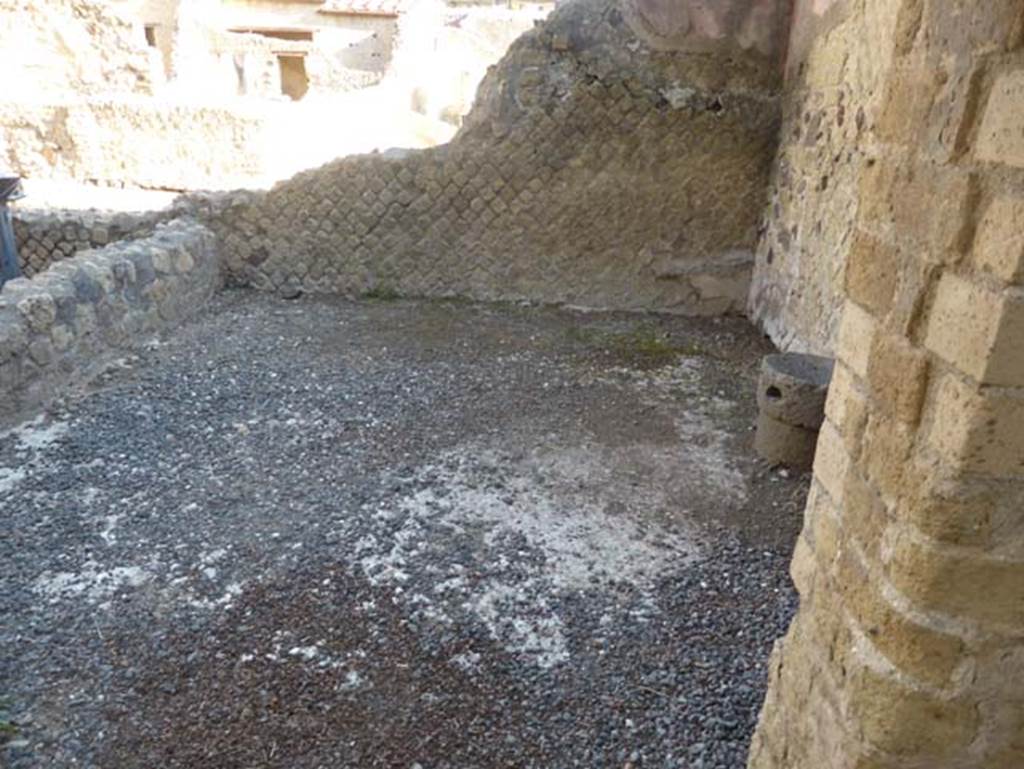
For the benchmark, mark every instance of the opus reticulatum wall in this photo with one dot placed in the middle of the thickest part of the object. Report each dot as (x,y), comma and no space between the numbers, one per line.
(43,237)
(600,166)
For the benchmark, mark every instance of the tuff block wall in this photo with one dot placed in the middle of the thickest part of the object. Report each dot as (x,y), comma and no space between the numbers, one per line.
(908,648)
(598,167)
(60,325)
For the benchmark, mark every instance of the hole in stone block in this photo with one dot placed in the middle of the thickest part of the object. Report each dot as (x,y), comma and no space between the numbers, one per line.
(773,392)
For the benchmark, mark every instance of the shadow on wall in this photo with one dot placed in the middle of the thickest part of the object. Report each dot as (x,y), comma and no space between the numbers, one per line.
(598,167)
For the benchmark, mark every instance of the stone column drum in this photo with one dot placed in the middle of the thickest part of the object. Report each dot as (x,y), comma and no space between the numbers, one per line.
(791,397)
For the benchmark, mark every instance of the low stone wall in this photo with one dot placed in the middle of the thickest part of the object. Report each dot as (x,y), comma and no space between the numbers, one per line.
(45,237)
(57,327)
(595,169)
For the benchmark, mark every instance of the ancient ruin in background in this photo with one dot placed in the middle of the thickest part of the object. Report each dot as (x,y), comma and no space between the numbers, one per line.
(188,94)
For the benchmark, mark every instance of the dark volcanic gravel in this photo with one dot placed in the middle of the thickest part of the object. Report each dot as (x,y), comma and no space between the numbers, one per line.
(320,533)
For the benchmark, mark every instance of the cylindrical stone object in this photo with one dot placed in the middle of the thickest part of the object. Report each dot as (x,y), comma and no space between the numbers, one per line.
(793,388)
(791,396)
(784,444)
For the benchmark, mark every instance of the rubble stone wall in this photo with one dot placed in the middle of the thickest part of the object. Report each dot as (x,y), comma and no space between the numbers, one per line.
(57,327)
(596,168)
(830,109)
(906,651)
(45,237)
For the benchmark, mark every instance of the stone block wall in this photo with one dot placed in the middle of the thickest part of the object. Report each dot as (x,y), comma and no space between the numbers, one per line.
(57,327)
(595,169)
(908,648)
(45,237)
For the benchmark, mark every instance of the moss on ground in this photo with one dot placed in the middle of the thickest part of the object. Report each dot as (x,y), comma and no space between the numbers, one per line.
(643,346)
(8,730)
(381,294)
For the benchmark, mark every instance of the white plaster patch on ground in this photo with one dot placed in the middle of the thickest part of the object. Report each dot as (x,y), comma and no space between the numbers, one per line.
(225,601)
(29,438)
(318,655)
(98,583)
(388,566)
(10,477)
(468,662)
(38,434)
(573,506)
(579,508)
(197,583)
(92,582)
(209,558)
(306,652)
(352,681)
(207,568)
(231,592)
(109,524)
(520,617)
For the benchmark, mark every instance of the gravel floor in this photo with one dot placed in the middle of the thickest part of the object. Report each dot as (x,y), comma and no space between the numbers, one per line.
(319,533)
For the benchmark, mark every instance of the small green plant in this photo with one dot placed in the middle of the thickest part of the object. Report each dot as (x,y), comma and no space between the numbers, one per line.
(8,730)
(381,294)
(581,335)
(647,342)
(644,345)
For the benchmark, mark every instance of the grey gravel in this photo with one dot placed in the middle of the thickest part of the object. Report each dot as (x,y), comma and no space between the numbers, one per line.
(323,533)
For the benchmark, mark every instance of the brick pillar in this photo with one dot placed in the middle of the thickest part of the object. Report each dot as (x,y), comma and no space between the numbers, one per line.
(908,649)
